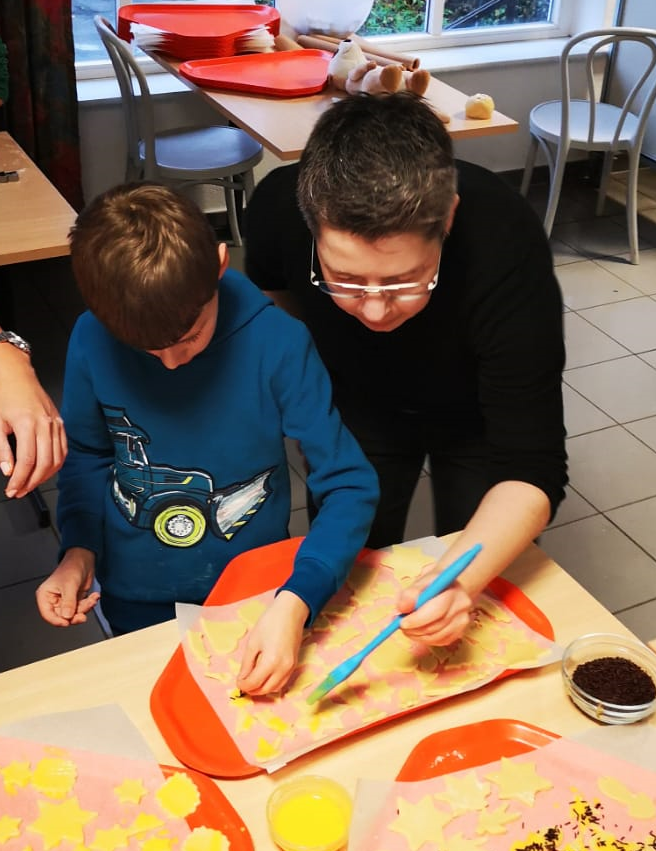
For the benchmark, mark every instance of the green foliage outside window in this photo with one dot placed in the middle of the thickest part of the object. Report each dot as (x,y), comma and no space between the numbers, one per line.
(404,16)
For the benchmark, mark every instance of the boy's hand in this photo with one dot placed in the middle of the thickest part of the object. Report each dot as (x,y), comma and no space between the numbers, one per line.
(439,621)
(63,598)
(272,646)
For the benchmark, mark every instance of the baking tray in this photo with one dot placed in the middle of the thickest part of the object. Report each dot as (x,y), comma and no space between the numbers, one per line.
(202,20)
(184,716)
(215,810)
(288,73)
(458,748)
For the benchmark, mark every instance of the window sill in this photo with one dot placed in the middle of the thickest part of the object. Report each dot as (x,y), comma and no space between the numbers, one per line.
(479,56)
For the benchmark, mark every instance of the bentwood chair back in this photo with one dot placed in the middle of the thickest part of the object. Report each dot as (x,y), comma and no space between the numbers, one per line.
(183,157)
(590,124)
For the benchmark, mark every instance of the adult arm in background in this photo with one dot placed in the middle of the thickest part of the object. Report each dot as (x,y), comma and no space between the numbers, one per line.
(63,598)
(518,336)
(27,412)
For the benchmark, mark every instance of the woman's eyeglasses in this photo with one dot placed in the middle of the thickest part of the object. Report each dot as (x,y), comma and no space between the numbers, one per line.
(399,292)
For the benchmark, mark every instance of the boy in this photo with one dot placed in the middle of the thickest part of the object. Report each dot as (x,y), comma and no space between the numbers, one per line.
(177,398)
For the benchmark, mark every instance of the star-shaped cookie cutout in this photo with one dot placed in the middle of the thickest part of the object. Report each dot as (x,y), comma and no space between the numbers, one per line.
(197,646)
(9,828)
(251,612)
(54,776)
(494,821)
(61,822)
(223,636)
(130,791)
(16,775)
(518,781)
(110,839)
(406,562)
(464,794)
(420,822)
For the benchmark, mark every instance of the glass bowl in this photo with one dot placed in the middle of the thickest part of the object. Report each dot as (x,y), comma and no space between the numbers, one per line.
(601,683)
(310,813)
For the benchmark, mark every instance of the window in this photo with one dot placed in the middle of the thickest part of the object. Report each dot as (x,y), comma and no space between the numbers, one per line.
(413,24)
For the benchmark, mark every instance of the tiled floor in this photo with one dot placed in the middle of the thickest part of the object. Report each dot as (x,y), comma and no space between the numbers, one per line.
(604,534)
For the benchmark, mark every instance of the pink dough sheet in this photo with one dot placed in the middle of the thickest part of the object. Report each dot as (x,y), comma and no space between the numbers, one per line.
(594,802)
(397,677)
(33,804)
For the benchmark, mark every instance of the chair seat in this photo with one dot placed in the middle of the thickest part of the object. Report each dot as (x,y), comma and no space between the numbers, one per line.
(204,152)
(545,120)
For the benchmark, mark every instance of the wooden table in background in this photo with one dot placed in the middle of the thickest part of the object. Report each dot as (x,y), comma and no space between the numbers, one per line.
(123,670)
(34,217)
(283,125)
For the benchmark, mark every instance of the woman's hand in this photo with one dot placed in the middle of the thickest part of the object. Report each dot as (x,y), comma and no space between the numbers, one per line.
(27,412)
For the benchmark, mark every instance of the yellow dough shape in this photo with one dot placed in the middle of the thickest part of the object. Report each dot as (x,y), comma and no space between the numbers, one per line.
(521,653)
(223,677)
(638,804)
(223,636)
(493,609)
(244,722)
(197,647)
(464,794)
(206,839)
(16,775)
(395,654)
(341,636)
(60,822)
(408,697)
(518,781)
(275,723)
(494,821)
(382,691)
(178,795)
(267,750)
(360,576)
(464,652)
(251,612)
(406,562)
(157,843)
(479,106)
(143,823)
(110,839)
(321,623)
(130,791)
(416,822)
(54,776)
(9,828)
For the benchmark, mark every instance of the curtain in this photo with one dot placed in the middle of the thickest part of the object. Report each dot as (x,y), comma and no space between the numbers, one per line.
(41,111)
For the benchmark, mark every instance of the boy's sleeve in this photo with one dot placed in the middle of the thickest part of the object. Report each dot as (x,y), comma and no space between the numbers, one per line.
(83,478)
(4,73)
(343,484)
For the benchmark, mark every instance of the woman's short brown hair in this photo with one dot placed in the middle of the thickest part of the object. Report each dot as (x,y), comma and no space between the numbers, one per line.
(145,261)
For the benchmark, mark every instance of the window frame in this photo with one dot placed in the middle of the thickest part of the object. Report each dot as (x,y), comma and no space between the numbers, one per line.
(564,24)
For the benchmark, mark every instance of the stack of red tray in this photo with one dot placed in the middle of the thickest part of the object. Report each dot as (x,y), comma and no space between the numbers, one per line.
(203,30)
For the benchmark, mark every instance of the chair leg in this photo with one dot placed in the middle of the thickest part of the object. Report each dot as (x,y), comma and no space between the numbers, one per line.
(529,165)
(231,208)
(603,182)
(632,206)
(554,191)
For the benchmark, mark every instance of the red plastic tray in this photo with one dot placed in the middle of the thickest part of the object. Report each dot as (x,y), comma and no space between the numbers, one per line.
(204,20)
(464,747)
(185,718)
(215,810)
(287,73)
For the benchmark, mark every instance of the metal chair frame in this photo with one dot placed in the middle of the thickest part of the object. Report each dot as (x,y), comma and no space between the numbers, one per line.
(589,124)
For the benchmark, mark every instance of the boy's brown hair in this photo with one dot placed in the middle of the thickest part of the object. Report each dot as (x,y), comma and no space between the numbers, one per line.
(146,262)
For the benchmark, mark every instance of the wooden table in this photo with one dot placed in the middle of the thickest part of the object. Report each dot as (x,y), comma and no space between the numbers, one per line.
(123,670)
(34,217)
(283,125)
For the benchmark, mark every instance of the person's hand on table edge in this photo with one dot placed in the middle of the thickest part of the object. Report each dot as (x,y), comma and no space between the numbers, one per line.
(272,646)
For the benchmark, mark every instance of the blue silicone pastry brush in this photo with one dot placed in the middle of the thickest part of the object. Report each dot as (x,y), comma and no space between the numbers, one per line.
(442,581)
